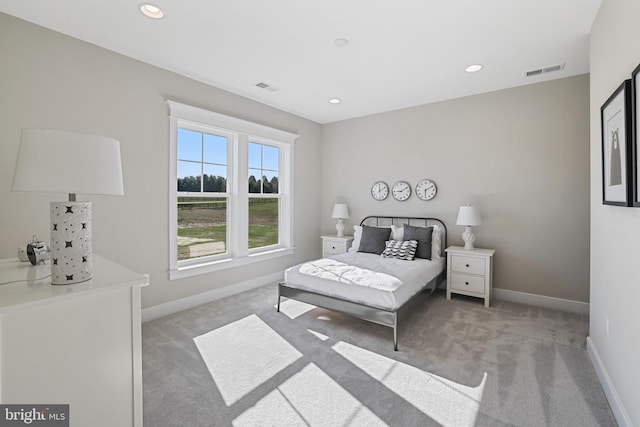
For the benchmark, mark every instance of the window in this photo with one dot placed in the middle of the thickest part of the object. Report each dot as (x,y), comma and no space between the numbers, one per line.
(202,192)
(230,191)
(264,201)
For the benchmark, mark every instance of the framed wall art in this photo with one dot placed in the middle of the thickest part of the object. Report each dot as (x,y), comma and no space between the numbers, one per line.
(635,123)
(615,117)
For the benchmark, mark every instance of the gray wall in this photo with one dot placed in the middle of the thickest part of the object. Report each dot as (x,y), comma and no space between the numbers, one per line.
(52,81)
(520,155)
(615,234)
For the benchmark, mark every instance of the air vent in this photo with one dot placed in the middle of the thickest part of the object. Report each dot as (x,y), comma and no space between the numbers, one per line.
(552,68)
(544,70)
(266,86)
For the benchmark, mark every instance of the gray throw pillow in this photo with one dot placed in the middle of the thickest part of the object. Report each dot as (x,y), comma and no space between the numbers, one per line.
(423,236)
(373,239)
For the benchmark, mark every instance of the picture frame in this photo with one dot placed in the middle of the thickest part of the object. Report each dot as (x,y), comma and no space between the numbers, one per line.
(615,116)
(635,123)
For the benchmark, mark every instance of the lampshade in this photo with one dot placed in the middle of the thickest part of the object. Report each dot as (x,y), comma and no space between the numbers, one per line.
(468,215)
(340,211)
(53,161)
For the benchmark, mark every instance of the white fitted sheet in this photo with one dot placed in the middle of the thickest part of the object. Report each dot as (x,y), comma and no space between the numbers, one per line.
(413,275)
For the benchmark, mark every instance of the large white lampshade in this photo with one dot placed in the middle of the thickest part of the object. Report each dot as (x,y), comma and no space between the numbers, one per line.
(340,212)
(468,216)
(53,161)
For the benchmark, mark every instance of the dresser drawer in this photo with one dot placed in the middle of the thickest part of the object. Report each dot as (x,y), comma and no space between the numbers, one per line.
(463,282)
(467,264)
(332,247)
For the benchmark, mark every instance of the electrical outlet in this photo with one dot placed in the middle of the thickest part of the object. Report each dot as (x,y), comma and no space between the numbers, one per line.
(606,325)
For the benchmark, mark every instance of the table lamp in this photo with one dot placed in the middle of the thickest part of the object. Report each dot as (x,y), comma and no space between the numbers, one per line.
(468,216)
(54,161)
(340,212)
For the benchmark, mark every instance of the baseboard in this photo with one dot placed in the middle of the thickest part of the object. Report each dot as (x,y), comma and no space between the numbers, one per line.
(186,303)
(612,396)
(215,294)
(541,301)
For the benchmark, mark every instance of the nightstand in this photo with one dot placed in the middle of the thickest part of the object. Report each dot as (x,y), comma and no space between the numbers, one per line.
(470,272)
(334,245)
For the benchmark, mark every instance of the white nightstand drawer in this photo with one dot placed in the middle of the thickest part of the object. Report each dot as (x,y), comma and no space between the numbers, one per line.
(331,247)
(463,282)
(467,264)
(334,245)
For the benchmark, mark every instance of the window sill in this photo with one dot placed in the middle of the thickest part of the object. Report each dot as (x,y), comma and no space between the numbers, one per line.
(212,266)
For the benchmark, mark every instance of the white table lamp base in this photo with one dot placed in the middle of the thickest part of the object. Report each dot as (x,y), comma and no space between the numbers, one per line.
(70,242)
(468,237)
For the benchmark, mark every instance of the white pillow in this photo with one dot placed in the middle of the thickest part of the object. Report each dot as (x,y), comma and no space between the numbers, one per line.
(397,233)
(357,235)
(436,242)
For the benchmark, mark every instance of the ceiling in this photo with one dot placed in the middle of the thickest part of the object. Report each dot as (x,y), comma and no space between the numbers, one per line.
(399,54)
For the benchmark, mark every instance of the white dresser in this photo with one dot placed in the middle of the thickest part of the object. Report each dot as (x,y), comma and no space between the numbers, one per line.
(334,245)
(470,272)
(74,344)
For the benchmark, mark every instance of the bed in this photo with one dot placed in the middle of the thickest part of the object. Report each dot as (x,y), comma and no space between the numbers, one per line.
(370,285)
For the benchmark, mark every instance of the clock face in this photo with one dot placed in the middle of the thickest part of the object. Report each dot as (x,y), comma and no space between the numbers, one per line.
(426,189)
(380,190)
(401,190)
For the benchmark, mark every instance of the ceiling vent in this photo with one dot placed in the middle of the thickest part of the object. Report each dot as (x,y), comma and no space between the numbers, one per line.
(544,70)
(266,86)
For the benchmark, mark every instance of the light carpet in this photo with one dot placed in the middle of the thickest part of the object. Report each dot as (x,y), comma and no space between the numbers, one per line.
(237,362)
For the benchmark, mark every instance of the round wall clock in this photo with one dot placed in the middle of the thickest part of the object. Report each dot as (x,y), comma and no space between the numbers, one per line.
(380,190)
(401,190)
(426,189)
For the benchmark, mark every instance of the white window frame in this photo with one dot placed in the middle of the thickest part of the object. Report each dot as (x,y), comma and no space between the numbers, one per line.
(240,133)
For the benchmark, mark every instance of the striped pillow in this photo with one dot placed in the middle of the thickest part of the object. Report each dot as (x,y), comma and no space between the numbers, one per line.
(405,250)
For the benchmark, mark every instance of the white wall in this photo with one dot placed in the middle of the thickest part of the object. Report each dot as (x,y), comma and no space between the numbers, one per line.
(52,81)
(615,231)
(520,155)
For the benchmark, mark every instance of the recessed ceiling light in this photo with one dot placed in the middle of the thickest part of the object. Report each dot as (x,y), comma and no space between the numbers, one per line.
(334,101)
(473,68)
(341,42)
(151,11)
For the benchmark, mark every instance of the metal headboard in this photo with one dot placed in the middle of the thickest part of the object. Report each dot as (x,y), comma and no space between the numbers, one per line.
(399,221)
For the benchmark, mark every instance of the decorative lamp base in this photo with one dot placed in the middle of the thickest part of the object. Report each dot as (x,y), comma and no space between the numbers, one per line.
(468,237)
(70,242)
(340,228)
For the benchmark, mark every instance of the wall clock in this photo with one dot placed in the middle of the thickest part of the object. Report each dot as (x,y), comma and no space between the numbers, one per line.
(401,190)
(380,190)
(426,189)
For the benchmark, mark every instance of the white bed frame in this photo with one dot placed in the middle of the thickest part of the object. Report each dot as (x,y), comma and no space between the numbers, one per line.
(389,318)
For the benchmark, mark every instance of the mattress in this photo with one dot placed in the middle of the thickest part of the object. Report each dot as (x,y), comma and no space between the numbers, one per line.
(413,276)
